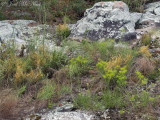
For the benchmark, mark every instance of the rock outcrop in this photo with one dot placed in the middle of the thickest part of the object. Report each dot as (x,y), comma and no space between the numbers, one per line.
(26,32)
(151,17)
(106,20)
(150,23)
(67,116)
(113,20)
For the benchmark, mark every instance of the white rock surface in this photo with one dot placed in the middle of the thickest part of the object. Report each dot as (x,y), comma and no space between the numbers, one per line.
(25,32)
(106,20)
(151,17)
(64,112)
(66,116)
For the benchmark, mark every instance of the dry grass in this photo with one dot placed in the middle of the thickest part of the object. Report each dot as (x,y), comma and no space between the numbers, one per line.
(60,77)
(145,65)
(144,51)
(142,64)
(118,61)
(8,102)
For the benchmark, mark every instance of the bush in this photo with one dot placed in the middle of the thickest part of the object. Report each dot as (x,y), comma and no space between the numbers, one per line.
(78,66)
(112,99)
(59,59)
(8,103)
(144,51)
(114,75)
(62,31)
(83,101)
(79,6)
(145,65)
(46,91)
(146,39)
(2,16)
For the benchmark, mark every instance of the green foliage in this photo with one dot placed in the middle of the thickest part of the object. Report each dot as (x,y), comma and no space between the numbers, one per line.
(98,50)
(143,80)
(106,51)
(59,59)
(87,102)
(65,89)
(83,101)
(78,66)
(113,75)
(62,31)
(112,99)
(21,90)
(66,19)
(2,70)
(146,39)
(2,16)
(141,99)
(51,105)
(79,6)
(46,91)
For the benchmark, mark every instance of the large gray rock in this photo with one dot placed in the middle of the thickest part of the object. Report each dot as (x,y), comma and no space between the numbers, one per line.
(151,17)
(26,32)
(106,20)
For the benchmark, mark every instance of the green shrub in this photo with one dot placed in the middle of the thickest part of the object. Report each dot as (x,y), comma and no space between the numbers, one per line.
(79,6)
(78,66)
(83,101)
(146,39)
(2,16)
(142,79)
(2,71)
(62,31)
(107,50)
(46,91)
(21,90)
(141,98)
(59,59)
(112,99)
(114,75)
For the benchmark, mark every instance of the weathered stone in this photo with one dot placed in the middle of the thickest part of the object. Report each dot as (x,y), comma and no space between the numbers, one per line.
(26,32)
(151,17)
(64,108)
(66,116)
(105,20)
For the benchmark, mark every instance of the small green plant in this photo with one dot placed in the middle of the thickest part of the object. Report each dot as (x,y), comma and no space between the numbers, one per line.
(83,101)
(46,92)
(62,31)
(59,59)
(88,102)
(111,99)
(51,105)
(66,19)
(78,66)
(2,70)
(64,89)
(112,75)
(146,39)
(143,80)
(79,7)
(21,90)
(2,16)
(141,98)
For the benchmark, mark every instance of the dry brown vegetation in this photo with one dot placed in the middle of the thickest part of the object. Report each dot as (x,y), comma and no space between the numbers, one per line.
(8,103)
(145,65)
